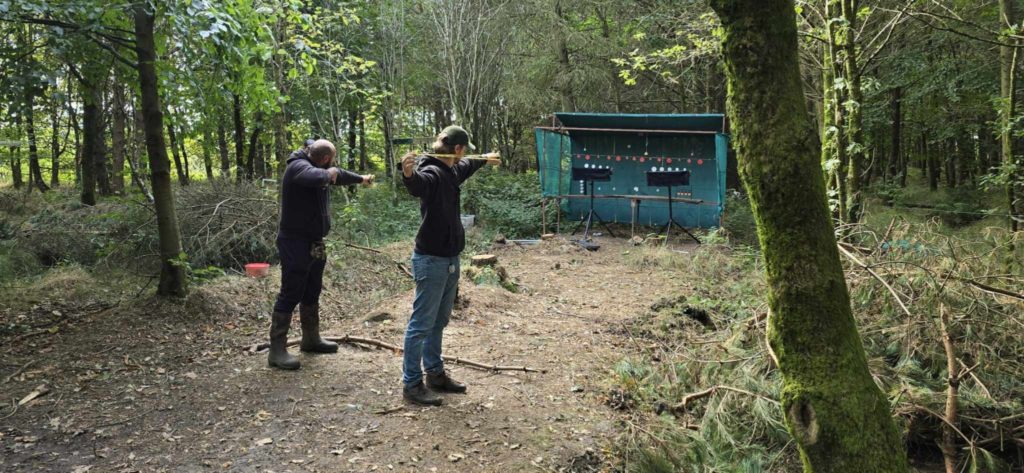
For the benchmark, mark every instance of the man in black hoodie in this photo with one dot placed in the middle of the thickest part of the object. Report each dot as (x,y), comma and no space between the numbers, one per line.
(435,179)
(305,221)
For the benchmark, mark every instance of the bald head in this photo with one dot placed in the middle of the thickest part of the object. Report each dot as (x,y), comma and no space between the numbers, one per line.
(321,152)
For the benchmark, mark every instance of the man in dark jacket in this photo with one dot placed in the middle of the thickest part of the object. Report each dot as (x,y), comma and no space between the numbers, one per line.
(436,180)
(305,221)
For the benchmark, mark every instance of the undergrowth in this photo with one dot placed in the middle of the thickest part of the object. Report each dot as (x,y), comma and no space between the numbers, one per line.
(709,341)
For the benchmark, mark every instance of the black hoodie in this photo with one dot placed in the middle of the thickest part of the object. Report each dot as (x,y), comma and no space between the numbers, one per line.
(306,199)
(437,186)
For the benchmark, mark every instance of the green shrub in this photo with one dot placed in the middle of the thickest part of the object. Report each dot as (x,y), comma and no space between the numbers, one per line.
(961,207)
(738,220)
(506,203)
(16,263)
(376,216)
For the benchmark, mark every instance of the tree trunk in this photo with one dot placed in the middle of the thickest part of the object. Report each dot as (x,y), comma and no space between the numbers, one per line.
(35,173)
(389,148)
(182,178)
(90,138)
(835,412)
(16,158)
(134,165)
(1008,72)
(933,164)
(353,117)
(184,159)
(362,142)
(855,126)
(99,158)
(280,142)
(222,147)
(117,138)
(240,173)
(55,150)
(207,159)
(250,167)
(896,139)
(951,155)
(172,271)
(839,144)
(77,131)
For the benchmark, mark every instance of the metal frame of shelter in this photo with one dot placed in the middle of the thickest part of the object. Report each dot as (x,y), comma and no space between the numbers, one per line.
(631,145)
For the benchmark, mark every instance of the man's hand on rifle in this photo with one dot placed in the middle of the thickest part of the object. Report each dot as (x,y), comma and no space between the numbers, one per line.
(333,174)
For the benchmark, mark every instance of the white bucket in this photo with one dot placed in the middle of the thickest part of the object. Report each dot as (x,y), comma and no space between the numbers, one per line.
(468,220)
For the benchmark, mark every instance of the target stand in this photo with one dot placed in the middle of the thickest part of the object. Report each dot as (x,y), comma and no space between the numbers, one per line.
(669,179)
(591,175)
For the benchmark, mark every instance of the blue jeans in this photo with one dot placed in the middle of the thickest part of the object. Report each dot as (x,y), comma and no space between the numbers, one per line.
(437,280)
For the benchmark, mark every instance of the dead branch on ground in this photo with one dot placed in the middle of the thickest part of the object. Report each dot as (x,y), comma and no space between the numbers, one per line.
(387,346)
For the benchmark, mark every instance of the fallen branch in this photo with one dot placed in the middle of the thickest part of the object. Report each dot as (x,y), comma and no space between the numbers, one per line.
(387,346)
(376,251)
(990,289)
(948,447)
(372,250)
(19,371)
(879,278)
(390,410)
(682,406)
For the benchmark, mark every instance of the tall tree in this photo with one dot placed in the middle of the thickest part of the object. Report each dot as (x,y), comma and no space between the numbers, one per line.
(91,138)
(118,145)
(1008,58)
(172,272)
(838,417)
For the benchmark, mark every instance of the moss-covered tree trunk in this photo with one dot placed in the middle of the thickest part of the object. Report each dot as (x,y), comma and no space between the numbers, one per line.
(172,273)
(838,417)
(855,120)
(836,140)
(1008,59)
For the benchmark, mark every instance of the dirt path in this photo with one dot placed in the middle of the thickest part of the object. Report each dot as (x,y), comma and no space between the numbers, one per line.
(151,386)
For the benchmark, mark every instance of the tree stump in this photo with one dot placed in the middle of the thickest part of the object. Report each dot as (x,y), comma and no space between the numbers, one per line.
(484,260)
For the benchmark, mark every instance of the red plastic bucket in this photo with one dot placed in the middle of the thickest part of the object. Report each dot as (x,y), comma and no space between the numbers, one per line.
(257,270)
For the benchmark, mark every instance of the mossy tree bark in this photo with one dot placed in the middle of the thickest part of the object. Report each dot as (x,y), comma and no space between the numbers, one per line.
(1008,58)
(172,273)
(838,417)
(855,120)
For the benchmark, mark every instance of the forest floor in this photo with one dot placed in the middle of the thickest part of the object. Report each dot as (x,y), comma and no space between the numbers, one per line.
(143,384)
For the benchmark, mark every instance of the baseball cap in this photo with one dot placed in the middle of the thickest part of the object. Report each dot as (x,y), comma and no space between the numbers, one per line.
(456,135)
(309,142)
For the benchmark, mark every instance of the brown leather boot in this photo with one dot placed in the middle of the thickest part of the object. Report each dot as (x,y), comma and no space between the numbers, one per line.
(309,315)
(279,357)
(441,382)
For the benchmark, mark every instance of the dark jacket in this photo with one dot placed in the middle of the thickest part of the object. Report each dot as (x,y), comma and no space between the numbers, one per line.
(306,199)
(437,186)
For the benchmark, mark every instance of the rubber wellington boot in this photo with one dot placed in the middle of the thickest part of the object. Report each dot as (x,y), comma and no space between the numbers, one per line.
(441,382)
(419,394)
(279,357)
(309,315)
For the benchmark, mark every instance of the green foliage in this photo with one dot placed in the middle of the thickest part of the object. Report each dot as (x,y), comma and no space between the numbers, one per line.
(16,263)
(738,221)
(376,216)
(962,207)
(506,203)
(197,275)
